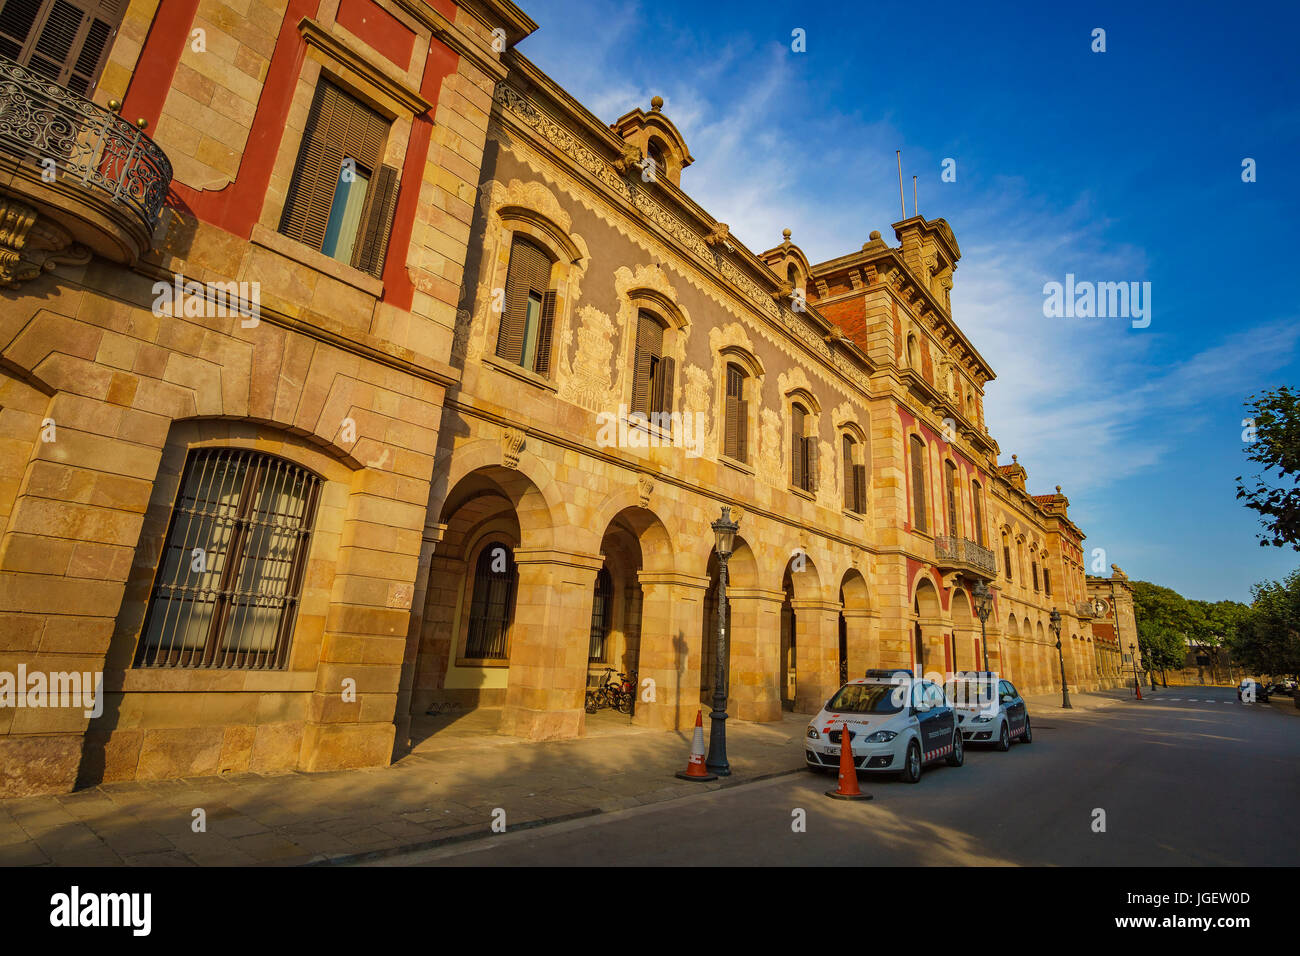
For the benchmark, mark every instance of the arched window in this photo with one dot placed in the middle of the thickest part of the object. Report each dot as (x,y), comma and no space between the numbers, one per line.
(655,152)
(601,617)
(977,505)
(1034,565)
(528,315)
(855,477)
(736,415)
(652,376)
(950,480)
(919,514)
(913,356)
(492,606)
(1006,555)
(226,593)
(803,450)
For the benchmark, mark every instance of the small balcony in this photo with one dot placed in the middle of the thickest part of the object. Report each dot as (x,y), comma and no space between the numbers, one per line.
(961,554)
(75,179)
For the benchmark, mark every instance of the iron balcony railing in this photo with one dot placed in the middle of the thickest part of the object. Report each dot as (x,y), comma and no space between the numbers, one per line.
(45,121)
(965,552)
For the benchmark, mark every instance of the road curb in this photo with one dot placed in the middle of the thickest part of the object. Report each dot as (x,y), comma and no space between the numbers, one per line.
(477,833)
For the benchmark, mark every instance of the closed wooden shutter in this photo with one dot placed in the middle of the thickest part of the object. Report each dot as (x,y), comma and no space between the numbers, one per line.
(850,500)
(979,513)
(64,41)
(860,488)
(649,346)
(339,127)
(918,485)
(797,446)
(665,378)
(544,332)
(811,470)
(950,475)
(529,272)
(376,222)
(742,430)
(733,440)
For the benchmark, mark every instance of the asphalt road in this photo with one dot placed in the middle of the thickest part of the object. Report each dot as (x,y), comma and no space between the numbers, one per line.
(1189,778)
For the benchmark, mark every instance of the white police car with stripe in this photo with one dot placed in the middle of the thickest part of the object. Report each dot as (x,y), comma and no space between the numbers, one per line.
(897,724)
(989,709)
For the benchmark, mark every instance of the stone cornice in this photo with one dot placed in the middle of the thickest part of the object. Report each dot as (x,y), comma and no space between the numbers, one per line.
(319,38)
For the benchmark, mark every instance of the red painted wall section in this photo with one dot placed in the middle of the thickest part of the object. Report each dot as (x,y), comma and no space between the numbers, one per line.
(156,68)
(378,28)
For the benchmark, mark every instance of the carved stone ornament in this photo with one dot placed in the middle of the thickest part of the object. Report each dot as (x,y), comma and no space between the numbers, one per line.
(30,246)
(512,444)
(720,235)
(644,486)
(631,158)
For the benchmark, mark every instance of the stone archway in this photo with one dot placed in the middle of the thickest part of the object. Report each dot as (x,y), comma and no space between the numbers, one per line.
(857,648)
(927,628)
(809,634)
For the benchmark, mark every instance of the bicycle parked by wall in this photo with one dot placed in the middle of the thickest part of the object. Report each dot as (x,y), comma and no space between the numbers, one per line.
(616,690)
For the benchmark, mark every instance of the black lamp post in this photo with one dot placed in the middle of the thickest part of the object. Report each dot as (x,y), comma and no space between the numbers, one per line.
(724,532)
(1133,653)
(1055,618)
(983,607)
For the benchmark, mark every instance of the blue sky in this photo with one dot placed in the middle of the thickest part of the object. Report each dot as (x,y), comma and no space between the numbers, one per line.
(1115,166)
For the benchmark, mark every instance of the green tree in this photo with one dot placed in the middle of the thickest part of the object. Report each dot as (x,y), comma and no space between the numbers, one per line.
(1276,445)
(1211,626)
(1164,620)
(1268,640)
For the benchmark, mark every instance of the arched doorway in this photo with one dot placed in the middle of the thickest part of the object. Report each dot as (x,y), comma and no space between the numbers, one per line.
(855,651)
(927,629)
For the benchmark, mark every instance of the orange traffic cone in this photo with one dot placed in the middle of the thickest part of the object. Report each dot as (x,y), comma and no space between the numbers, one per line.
(1137,687)
(848,775)
(695,769)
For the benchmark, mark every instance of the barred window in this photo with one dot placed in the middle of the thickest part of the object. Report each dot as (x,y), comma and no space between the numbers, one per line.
(227,589)
(492,607)
(600,615)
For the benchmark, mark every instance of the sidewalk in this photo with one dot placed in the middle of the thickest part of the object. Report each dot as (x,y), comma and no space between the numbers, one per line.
(446,789)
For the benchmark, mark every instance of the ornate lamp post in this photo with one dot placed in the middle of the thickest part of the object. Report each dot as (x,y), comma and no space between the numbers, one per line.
(724,533)
(1132,650)
(1055,618)
(983,607)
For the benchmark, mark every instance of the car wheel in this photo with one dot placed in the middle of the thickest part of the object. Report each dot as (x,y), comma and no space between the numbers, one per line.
(912,763)
(1027,737)
(1004,738)
(958,755)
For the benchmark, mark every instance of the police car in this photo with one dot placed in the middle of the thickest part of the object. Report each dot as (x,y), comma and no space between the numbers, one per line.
(989,709)
(897,724)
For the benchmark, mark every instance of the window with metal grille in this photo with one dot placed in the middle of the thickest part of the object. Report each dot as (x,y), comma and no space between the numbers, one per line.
(653,372)
(341,198)
(736,415)
(492,606)
(919,521)
(528,317)
(64,41)
(803,450)
(227,588)
(600,615)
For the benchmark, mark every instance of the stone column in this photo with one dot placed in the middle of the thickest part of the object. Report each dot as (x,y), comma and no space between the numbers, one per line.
(755,653)
(672,619)
(817,636)
(433,533)
(549,641)
(932,632)
(862,641)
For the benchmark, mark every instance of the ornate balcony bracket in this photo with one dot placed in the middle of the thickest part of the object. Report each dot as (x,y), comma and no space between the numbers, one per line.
(30,245)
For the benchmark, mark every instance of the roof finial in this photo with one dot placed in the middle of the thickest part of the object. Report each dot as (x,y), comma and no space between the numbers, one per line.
(656,103)
(1013,458)
(1058,489)
(785,233)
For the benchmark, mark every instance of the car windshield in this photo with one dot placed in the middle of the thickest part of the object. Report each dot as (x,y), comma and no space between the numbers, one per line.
(972,693)
(867,699)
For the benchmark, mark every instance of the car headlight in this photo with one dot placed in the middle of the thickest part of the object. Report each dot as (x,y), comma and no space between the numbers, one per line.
(983,719)
(881,737)
(813,735)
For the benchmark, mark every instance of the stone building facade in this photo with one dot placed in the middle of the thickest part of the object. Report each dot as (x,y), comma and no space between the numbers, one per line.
(1114,626)
(463,441)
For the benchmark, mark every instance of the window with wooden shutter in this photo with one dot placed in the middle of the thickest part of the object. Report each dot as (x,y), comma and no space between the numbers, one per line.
(860,488)
(810,469)
(341,197)
(798,447)
(920,522)
(1047,582)
(977,501)
(528,316)
(950,477)
(662,381)
(734,412)
(850,494)
(649,352)
(64,41)
(1006,556)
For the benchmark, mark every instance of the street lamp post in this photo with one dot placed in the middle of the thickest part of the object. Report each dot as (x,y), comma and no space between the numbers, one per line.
(724,532)
(983,607)
(1055,618)
(1132,648)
